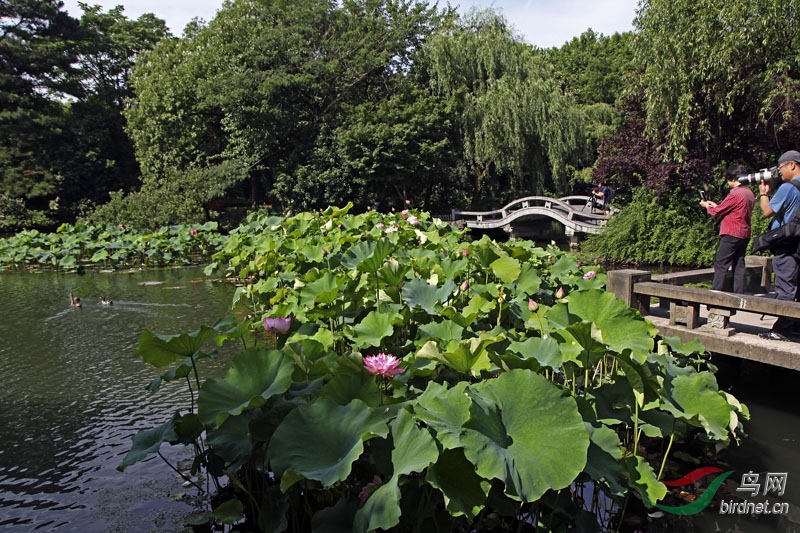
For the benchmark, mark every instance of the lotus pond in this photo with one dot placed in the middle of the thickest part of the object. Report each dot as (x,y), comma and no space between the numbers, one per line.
(396,375)
(386,372)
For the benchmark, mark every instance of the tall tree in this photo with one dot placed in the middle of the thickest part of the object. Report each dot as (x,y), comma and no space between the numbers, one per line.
(37,58)
(721,77)
(518,128)
(266,81)
(97,155)
(595,67)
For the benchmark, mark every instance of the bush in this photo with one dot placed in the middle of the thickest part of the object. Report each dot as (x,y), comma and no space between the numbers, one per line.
(673,230)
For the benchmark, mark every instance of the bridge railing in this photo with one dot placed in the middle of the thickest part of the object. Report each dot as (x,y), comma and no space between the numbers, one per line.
(683,307)
(574,207)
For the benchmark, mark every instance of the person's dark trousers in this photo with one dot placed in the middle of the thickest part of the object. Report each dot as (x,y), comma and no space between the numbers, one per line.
(731,252)
(786,272)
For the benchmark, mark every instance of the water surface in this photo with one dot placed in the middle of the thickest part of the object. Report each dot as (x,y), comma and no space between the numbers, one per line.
(73,394)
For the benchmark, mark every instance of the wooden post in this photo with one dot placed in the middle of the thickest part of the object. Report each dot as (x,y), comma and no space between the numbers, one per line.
(765,283)
(621,284)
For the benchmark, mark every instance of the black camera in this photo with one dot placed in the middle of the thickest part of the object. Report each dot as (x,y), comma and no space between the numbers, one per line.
(763,175)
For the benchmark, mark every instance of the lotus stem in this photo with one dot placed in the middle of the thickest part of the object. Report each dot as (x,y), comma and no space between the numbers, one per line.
(666,454)
(184,476)
(191,394)
(636,428)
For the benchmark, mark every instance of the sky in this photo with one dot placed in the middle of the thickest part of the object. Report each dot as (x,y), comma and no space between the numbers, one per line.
(542,23)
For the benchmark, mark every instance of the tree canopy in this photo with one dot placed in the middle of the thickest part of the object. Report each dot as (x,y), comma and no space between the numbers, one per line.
(720,78)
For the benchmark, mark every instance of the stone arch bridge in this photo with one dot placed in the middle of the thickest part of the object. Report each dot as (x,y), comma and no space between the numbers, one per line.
(577,214)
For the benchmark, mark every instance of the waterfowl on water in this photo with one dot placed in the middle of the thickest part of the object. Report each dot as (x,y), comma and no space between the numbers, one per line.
(74,301)
(105,301)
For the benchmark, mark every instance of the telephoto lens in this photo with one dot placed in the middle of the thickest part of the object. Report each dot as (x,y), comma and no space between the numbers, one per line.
(763,175)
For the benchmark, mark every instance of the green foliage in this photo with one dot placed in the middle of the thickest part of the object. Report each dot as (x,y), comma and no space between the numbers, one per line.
(517,128)
(37,61)
(595,68)
(720,77)
(180,199)
(113,246)
(280,85)
(671,230)
(518,377)
(62,90)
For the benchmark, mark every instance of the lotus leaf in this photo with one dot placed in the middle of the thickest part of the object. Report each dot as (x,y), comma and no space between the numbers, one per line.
(532,353)
(320,441)
(621,327)
(420,292)
(506,269)
(149,441)
(255,375)
(526,433)
(373,328)
(381,510)
(445,411)
(698,396)
(464,490)
(163,350)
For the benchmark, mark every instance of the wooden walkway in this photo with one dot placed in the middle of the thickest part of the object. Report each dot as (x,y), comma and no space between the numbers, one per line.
(724,322)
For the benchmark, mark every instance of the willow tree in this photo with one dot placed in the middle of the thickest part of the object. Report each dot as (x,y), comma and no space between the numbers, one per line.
(517,127)
(720,77)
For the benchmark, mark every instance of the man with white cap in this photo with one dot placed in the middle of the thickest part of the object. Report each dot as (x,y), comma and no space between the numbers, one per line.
(782,206)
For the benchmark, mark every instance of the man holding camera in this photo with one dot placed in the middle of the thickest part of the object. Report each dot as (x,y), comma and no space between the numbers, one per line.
(734,230)
(782,206)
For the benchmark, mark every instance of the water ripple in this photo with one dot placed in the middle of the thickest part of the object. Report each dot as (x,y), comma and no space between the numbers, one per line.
(74,396)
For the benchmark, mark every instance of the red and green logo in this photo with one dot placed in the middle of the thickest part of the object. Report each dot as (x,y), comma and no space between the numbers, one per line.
(704,499)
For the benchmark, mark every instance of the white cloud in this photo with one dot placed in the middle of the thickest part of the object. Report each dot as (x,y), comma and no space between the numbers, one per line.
(544,23)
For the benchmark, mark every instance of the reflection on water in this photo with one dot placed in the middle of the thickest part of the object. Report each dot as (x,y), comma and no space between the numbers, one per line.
(73,396)
(772,444)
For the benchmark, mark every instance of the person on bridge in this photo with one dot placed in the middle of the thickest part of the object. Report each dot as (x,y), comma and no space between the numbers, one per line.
(606,193)
(734,229)
(782,207)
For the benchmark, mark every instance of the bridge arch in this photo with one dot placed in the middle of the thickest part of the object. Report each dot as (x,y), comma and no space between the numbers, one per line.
(576,213)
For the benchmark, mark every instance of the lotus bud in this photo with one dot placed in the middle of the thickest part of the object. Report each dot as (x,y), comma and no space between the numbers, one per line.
(560,293)
(532,305)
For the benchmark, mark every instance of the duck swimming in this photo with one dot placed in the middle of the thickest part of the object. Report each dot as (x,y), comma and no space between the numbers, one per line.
(74,301)
(105,301)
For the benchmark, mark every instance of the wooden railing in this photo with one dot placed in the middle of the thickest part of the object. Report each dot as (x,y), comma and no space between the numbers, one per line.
(678,312)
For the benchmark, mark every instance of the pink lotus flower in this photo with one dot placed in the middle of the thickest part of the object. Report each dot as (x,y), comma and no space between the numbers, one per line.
(560,293)
(278,325)
(532,305)
(192,232)
(465,286)
(404,213)
(413,220)
(383,364)
(369,488)
(380,225)
(464,252)
(590,274)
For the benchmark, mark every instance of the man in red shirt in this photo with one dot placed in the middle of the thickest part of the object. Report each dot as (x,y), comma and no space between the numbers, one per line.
(734,230)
